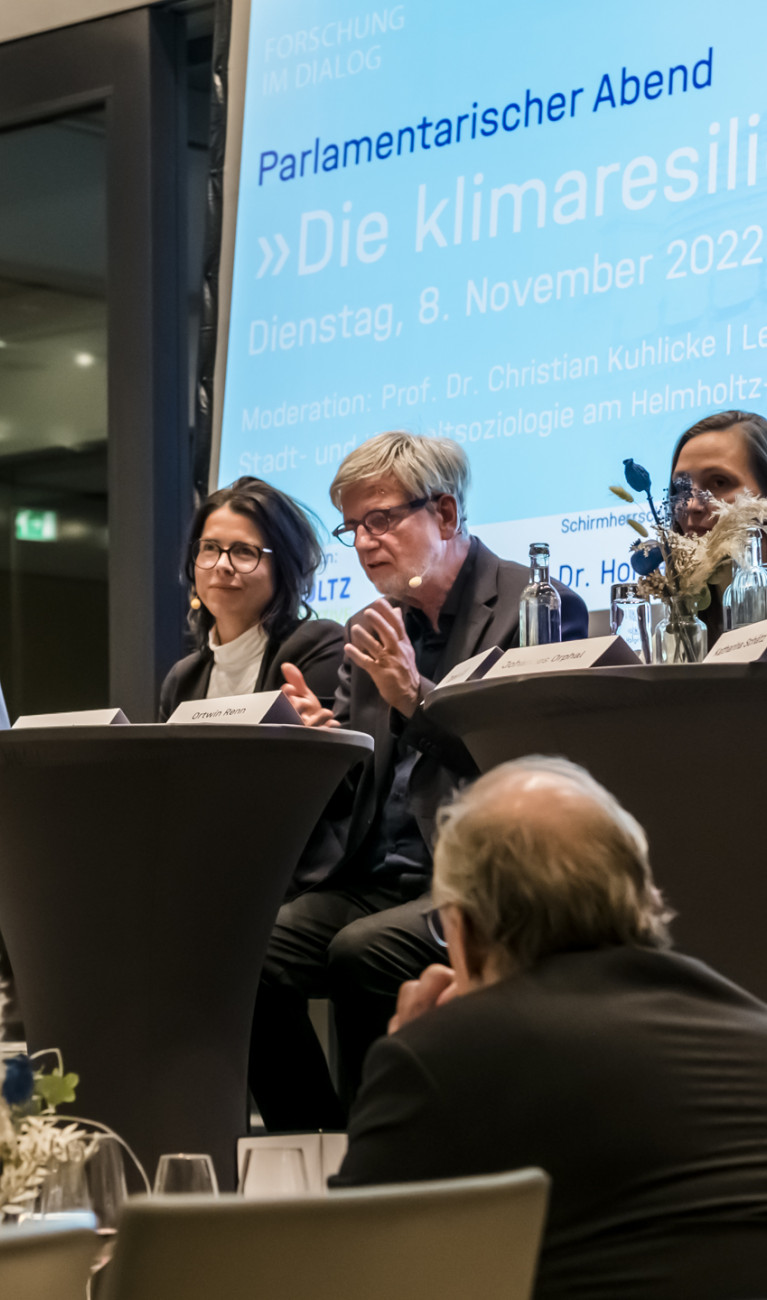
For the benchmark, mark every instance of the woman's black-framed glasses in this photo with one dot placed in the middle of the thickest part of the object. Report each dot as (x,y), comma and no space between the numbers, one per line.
(377,522)
(242,557)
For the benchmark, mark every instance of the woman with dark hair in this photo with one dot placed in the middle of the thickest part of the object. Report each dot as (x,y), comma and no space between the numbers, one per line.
(251,559)
(720,456)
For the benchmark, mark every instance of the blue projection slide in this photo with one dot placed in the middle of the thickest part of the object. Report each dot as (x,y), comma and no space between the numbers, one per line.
(534,228)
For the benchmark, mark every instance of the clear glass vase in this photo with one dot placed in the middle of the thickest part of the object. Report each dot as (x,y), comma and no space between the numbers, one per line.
(680,637)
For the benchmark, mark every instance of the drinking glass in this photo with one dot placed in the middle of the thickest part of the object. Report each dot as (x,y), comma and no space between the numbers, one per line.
(630,618)
(181,1173)
(188,1174)
(332,1151)
(105,1174)
(269,1172)
(64,1195)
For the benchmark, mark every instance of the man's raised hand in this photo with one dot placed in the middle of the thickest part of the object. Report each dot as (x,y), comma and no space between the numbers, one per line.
(304,701)
(436,986)
(381,646)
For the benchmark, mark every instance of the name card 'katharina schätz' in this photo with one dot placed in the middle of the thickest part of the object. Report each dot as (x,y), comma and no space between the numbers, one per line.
(743,645)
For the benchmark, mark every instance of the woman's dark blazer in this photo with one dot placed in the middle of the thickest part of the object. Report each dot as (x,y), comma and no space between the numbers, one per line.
(315,645)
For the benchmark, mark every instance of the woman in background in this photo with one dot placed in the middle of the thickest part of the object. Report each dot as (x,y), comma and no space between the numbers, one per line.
(722,455)
(251,559)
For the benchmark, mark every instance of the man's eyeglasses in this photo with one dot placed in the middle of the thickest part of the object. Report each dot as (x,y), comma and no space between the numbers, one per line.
(377,522)
(243,558)
(434,926)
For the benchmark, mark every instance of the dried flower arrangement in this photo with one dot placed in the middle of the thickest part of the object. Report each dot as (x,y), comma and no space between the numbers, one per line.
(33,1138)
(673,566)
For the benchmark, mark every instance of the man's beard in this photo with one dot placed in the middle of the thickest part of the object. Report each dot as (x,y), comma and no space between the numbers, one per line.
(393,585)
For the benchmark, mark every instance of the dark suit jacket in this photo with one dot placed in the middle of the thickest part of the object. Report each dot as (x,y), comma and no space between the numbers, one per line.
(488,616)
(636,1078)
(314,645)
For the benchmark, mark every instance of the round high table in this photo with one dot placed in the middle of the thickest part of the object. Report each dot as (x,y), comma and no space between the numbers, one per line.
(682,748)
(141,869)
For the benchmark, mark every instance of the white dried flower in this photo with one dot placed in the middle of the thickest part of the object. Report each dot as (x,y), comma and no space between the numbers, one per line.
(692,561)
(726,539)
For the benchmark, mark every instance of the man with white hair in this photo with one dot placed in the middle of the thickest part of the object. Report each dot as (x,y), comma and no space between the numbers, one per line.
(363,925)
(566,1035)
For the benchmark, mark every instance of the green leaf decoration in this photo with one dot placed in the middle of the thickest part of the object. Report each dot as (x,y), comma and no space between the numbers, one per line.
(703,599)
(622,493)
(638,528)
(56,1088)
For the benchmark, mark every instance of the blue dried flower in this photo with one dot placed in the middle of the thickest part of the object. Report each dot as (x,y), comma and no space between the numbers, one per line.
(644,561)
(19,1081)
(680,495)
(636,476)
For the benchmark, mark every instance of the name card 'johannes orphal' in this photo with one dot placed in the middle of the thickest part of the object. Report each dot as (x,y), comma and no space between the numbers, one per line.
(564,656)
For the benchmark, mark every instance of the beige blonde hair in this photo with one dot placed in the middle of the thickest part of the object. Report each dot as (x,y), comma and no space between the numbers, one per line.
(426,467)
(540,858)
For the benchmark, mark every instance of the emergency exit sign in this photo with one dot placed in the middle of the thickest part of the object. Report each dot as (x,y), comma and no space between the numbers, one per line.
(36,525)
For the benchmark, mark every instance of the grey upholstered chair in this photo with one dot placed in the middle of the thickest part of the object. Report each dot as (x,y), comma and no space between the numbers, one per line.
(420,1241)
(43,1261)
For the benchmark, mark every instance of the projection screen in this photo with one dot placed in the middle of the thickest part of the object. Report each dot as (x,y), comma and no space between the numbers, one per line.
(536,229)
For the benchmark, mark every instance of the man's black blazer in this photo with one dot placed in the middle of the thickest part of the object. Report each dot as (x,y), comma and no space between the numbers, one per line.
(487,616)
(315,645)
(636,1078)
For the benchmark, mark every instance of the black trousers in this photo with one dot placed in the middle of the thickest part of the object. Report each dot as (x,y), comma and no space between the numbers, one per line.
(355,948)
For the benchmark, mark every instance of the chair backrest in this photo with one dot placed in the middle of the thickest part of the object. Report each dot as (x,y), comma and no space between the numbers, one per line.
(46,1262)
(446,1240)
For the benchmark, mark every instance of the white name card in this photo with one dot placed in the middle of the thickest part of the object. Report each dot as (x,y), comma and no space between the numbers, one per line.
(471,669)
(564,656)
(743,645)
(84,718)
(242,710)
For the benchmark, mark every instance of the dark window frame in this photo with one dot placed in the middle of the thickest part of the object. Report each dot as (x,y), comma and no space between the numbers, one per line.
(134,63)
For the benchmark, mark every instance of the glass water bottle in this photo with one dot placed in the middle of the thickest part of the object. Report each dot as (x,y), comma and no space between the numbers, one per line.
(540,608)
(745,600)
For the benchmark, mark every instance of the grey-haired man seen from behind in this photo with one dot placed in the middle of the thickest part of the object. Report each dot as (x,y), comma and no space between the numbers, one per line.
(361,927)
(566,1035)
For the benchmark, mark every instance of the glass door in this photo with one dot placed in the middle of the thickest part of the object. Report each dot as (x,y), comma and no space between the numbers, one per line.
(54,578)
(95,484)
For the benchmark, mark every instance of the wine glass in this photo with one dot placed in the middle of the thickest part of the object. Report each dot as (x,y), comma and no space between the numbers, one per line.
(270,1172)
(64,1195)
(105,1174)
(187,1174)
